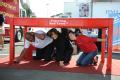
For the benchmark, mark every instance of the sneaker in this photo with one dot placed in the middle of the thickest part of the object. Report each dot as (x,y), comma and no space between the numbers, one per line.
(95,60)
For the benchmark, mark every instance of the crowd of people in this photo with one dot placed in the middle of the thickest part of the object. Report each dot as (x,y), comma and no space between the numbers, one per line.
(56,45)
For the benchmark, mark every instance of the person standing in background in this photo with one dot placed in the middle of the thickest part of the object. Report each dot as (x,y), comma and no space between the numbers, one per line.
(1,31)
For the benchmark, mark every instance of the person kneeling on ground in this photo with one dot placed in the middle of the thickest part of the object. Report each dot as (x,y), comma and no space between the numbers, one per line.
(63,48)
(89,48)
(41,41)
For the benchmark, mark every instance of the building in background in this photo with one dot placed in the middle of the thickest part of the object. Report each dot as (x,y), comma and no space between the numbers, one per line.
(97,9)
(109,10)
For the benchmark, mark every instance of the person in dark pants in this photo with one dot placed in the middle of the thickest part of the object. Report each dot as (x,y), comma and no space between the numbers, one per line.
(44,53)
(63,48)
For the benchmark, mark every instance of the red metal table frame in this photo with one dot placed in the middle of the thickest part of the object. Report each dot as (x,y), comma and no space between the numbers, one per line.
(101,23)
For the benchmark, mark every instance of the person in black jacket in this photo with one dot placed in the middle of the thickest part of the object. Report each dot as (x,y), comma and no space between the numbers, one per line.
(63,48)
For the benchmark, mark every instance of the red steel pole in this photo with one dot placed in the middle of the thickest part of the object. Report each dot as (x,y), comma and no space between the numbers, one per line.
(110,34)
(12,41)
(103,46)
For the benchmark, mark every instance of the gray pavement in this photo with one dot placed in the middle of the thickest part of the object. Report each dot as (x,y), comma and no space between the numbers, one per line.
(18,49)
(13,74)
(6,74)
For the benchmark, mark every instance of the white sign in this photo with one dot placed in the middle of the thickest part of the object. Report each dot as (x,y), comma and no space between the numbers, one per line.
(58,22)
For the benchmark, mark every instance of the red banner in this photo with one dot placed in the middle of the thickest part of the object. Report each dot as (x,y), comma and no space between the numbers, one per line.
(9,8)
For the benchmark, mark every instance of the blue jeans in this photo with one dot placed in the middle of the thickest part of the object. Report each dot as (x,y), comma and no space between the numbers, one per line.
(86,58)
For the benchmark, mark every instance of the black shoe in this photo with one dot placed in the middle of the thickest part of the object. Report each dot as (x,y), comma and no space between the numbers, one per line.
(77,64)
(66,63)
(47,60)
(36,58)
(16,62)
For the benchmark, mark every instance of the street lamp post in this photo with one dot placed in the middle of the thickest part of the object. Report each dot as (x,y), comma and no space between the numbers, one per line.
(91,8)
(47,5)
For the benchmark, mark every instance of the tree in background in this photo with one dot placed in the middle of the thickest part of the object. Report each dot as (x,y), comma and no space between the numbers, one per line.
(27,8)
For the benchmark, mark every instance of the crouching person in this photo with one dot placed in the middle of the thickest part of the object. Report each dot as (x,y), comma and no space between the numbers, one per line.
(63,48)
(43,45)
(89,48)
